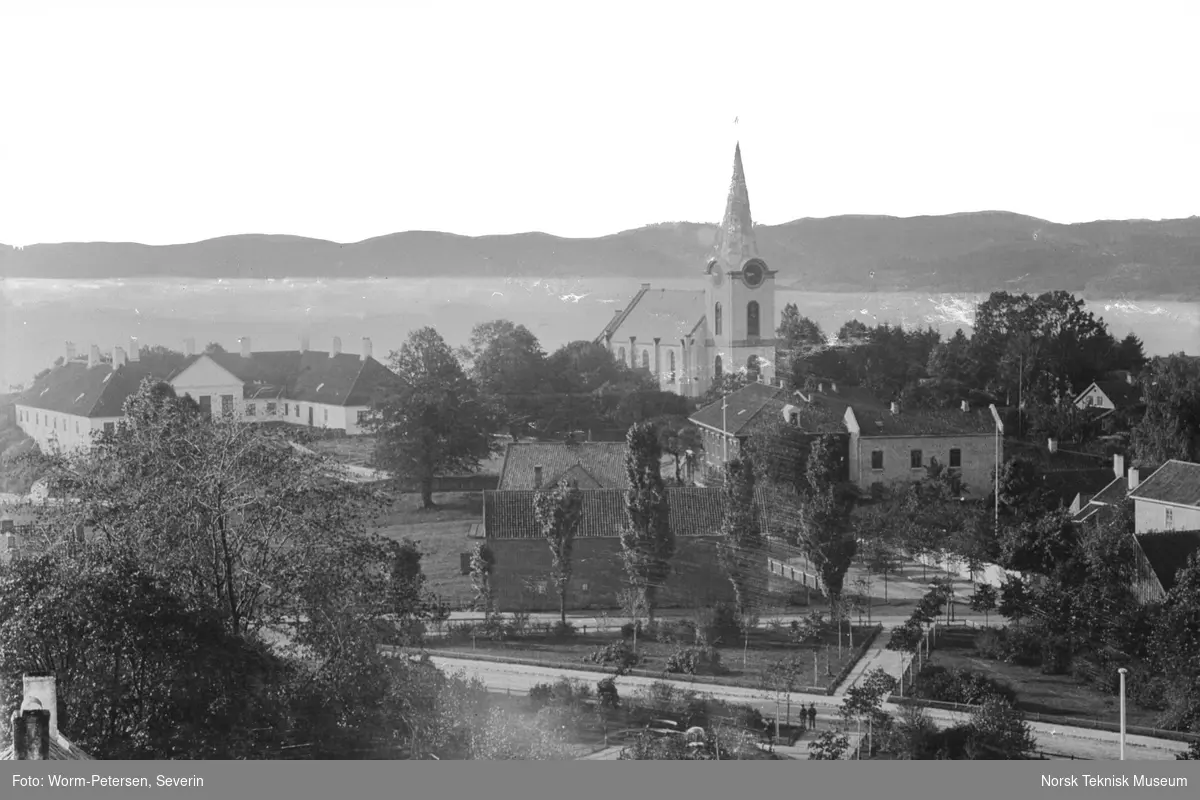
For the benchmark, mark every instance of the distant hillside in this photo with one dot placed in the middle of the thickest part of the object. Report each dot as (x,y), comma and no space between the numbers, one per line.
(955,253)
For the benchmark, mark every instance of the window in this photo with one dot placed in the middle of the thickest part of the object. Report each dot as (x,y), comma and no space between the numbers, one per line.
(297,410)
(327,415)
(914,459)
(876,459)
(671,363)
(226,404)
(955,458)
(109,427)
(645,359)
(752,318)
(37,419)
(717,370)
(270,409)
(206,405)
(717,320)
(286,410)
(77,426)
(250,410)
(1170,518)
(752,368)
(621,355)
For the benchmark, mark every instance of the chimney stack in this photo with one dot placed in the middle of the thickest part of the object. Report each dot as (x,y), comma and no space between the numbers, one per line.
(821,388)
(366,348)
(645,286)
(94,356)
(118,357)
(537,477)
(245,343)
(70,354)
(1052,445)
(41,688)
(335,348)
(189,347)
(31,732)
(966,406)
(833,388)
(1129,378)
(895,407)
(304,343)
(1134,479)
(1118,465)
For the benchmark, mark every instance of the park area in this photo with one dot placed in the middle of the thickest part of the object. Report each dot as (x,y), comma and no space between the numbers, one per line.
(671,649)
(1051,697)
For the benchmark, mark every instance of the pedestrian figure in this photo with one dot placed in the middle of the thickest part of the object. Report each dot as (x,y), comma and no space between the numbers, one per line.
(812,716)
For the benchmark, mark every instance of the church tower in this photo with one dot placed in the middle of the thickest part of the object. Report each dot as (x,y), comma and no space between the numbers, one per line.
(740,293)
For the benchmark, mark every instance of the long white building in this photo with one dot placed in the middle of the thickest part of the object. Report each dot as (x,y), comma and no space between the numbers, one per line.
(66,407)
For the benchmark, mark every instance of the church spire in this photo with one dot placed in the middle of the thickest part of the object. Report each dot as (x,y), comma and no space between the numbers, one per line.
(735,238)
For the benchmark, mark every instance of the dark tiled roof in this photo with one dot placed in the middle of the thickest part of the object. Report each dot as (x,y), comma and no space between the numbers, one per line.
(75,388)
(742,408)
(595,465)
(1168,553)
(694,512)
(1122,393)
(925,423)
(1115,492)
(310,377)
(1176,482)
(621,316)
(61,749)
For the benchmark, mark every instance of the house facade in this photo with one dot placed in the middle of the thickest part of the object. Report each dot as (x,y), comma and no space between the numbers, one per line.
(1168,499)
(67,407)
(1110,395)
(688,338)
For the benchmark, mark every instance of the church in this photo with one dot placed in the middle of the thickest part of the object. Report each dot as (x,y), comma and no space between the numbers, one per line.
(689,338)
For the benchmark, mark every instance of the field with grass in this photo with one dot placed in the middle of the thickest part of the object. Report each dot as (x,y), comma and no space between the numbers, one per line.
(743,663)
(1047,695)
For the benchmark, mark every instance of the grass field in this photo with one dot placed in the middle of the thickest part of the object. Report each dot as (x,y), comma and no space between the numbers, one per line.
(1049,695)
(765,647)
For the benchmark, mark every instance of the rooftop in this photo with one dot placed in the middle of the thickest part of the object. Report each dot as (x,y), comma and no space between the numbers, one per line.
(1121,393)
(311,376)
(665,314)
(739,409)
(1175,482)
(86,391)
(593,465)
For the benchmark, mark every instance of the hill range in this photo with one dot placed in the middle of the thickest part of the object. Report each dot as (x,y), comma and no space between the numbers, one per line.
(969,252)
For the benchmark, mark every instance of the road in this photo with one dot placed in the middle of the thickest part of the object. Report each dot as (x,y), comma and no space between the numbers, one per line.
(1066,741)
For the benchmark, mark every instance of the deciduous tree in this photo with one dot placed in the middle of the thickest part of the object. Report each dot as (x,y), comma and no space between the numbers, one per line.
(647,540)
(559,512)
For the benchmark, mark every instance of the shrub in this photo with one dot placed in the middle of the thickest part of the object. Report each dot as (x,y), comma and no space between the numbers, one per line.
(690,660)
(1011,645)
(960,686)
(906,637)
(562,630)
(614,654)
(607,695)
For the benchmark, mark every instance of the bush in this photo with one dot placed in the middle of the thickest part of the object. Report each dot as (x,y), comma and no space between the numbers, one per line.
(562,630)
(614,654)
(607,695)
(906,638)
(960,686)
(1056,655)
(690,660)
(1019,646)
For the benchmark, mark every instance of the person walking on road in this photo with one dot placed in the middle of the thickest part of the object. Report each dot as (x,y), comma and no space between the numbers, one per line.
(812,716)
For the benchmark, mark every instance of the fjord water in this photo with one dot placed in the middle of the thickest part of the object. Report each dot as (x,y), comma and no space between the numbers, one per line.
(38,315)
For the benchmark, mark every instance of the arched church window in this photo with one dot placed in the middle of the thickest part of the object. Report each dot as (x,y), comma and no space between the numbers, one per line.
(752,368)
(621,356)
(717,367)
(671,363)
(752,327)
(717,320)
(645,359)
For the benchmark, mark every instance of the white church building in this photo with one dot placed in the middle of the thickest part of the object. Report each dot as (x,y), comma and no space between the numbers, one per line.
(690,337)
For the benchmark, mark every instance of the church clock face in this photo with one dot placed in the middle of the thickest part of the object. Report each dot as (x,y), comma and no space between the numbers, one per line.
(753,274)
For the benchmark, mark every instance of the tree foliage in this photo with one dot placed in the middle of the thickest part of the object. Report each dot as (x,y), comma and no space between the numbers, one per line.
(741,541)
(559,512)
(1170,427)
(647,540)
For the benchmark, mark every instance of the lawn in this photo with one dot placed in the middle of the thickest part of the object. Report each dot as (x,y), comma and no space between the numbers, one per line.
(1048,695)
(766,646)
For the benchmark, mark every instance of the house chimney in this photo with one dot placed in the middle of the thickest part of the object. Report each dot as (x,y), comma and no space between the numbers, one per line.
(118,357)
(31,732)
(895,407)
(335,348)
(135,352)
(966,406)
(537,477)
(645,286)
(1129,378)
(94,356)
(1118,465)
(821,388)
(833,388)
(304,343)
(245,343)
(70,355)
(366,348)
(40,687)
(1052,445)
(189,347)
(1134,479)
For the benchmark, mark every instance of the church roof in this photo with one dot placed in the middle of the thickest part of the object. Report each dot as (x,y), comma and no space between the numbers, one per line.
(735,238)
(666,314)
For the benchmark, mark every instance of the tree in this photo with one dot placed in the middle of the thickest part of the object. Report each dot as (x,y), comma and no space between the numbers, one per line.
(983,600)
(508,364)
(213,347)
(999,732)
(825,504)
(1130,355)
(1016,601)
(741,543)
(828,746)
(1170,427)
(141,674)
(676,436)
(647,541)
(434,421)
(559,512)
(798,332)
(483,565)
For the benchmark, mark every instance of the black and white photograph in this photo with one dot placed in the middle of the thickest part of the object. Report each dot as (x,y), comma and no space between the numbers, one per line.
(551,381)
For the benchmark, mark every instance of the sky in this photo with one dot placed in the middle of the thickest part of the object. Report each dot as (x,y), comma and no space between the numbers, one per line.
(166,122)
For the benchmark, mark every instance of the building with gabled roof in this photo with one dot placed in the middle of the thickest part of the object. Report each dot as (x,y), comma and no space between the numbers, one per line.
(1168,499)
(73,402)
(592,465)
(1108,395)
(688,338)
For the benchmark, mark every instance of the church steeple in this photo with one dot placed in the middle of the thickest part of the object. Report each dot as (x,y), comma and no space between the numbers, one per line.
(735,238)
